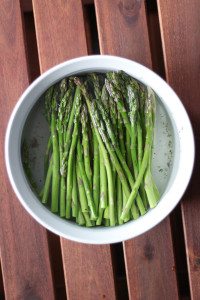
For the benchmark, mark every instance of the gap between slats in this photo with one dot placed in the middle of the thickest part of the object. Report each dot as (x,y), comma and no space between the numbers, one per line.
(2,294)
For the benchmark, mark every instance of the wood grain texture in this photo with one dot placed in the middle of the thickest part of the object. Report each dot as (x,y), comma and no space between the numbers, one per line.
(123,29)
(24,249)
(89,271)
(60,31)
(149,258)
(150,265)
(181,43)
(58,40)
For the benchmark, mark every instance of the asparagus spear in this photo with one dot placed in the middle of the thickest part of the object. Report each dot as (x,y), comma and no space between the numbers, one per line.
(47,184)
(88,191)
(68,135)
(147,150)
(94,79)
(85,143)
(118,98)
(96,169)
(71,153)
(82,197)
(120,80)
(80,219)
(56,155)
(103,184)
(121,107)
(132,96)
(104,152)
(81,189)
(100,128)
(114,142)
(46,157)
(74,195)
(60,129)
(149,184)
(119,201)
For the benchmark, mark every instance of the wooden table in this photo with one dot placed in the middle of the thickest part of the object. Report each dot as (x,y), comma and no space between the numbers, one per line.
(164,263)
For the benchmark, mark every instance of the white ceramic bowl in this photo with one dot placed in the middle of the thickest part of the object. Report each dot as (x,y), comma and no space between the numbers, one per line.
(173,147)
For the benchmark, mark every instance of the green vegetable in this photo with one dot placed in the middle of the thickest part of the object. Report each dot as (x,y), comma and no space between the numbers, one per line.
(99,154)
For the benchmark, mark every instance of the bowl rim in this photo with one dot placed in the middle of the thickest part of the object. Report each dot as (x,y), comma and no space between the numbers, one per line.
(102,235)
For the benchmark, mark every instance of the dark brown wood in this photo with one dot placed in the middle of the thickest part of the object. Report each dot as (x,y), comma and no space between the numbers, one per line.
(60,36)
(181,45)
(123,29)
(149,258)
(60,31)
(89,271)
(155,42)
(26,5)
(57,265)
(24,249)
(2,296)
(31,46)
(150,264)
(86,2)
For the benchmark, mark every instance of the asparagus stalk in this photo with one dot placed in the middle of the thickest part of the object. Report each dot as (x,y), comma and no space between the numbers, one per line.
(96,169)
(68,135)
(46,157)
(83,198)
(88,191)
(114,142)
(149,184)
(119,201)
(85,143)
(101,130)
(147,150)
(74,195)
(118,98)
(98,156)
(104,152)
(118,118)
(47,184)
(103,183)
(128,150)
(81,189)
(60,129)
(56,155)
(132,96)
(80,219)
(71,154)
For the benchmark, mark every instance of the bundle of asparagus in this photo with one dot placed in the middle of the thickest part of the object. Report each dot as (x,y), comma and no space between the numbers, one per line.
(98,159)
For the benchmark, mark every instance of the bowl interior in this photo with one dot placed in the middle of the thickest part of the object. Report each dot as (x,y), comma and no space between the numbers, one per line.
(36,134)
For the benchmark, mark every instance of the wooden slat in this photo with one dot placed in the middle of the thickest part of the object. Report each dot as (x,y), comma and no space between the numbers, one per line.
(89,271)
(149,258)
(24,249)
(181,43)
(60,36)
(60,31)
(123,30)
